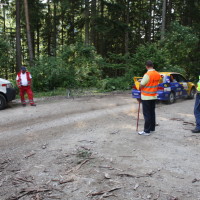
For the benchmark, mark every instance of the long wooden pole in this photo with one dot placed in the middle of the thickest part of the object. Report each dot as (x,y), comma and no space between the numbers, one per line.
(138,117)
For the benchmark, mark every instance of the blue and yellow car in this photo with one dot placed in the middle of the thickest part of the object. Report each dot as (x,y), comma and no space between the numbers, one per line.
(172,86)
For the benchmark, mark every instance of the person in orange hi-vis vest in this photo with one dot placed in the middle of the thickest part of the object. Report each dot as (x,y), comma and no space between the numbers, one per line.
(24,80)
(148,88)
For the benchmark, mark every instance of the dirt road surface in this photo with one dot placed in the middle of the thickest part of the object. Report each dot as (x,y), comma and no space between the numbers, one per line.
(88,149)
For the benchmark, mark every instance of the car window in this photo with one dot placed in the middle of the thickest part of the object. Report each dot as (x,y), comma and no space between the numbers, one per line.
(181,78)
(174,78)
(163,78)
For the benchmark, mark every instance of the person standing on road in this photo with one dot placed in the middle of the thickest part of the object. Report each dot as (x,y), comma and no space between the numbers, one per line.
(148,88)
(24,80)
(197,109)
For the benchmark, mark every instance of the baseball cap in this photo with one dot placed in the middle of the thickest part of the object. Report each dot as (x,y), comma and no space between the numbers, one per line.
(23,68)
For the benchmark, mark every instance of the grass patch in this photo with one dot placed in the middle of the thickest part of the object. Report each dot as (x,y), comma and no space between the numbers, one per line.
(68,92)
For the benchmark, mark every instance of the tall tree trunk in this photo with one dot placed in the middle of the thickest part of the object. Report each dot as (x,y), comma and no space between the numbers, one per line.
(38,41)
(93,18)
(54,29)
(163,19)
(28,32)
(87,42)
(72,25)
(126,32)
(18,38)
(168,14)
(62,30)
(101,40)
(153,22)
(149,21)
(49,28)
(4,16)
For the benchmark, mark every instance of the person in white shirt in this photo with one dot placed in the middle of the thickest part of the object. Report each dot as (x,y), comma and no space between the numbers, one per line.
(24,80)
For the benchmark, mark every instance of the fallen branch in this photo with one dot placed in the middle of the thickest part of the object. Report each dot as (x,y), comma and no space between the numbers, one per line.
(195,180)
(185,123)
(176,119)
(23,179)
(103,192)
(66,181)
(111,168)
(107,195)
(28,191)
(54,197)
(30,155)
(4,164)
(137,176)
(78,166)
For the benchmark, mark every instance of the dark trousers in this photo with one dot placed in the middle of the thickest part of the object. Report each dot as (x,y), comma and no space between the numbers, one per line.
(148,107)
(197,111)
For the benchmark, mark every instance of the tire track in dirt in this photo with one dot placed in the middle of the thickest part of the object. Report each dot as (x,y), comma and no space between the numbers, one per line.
(55,122)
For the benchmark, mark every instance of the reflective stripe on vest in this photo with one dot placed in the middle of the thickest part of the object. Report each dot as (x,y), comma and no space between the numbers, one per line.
(150,86)
(150,89)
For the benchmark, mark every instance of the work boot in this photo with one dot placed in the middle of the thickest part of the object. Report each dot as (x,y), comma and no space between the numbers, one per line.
(195,131)
(33,104)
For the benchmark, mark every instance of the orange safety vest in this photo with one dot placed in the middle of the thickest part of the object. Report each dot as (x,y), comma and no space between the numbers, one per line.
(150,89)
(27,76)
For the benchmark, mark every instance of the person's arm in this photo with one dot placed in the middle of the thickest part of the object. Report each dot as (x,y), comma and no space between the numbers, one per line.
(144,81)
(17,82)
(30,79)
(141,86)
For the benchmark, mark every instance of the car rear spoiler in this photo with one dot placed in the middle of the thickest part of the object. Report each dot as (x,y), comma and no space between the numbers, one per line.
(137,81)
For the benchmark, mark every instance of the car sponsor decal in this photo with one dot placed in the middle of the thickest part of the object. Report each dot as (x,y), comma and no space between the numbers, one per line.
(168,89)
(185,85)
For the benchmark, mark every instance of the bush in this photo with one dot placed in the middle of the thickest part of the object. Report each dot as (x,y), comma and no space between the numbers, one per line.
(84,63)
(119,83)
(181,46)
(49,73)
(6,59)
(76,66)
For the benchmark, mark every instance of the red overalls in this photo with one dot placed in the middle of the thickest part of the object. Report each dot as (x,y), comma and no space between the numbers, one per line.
(25,89)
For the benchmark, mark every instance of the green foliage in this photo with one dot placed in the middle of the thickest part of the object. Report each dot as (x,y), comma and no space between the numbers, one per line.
(181,47)
(119,83)
(84,64)
(83,153)
(48,74)
(4,57)
(144,53)
(77,66)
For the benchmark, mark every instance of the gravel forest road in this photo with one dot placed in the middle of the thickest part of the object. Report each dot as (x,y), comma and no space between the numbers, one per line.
(87,148)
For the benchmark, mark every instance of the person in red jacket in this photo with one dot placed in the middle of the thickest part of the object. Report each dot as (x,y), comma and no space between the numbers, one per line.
(24,80)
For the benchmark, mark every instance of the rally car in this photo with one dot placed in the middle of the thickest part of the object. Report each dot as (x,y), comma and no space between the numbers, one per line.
(172,86)
(7,93)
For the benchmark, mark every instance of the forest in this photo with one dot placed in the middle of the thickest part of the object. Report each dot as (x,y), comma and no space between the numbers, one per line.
(98,43)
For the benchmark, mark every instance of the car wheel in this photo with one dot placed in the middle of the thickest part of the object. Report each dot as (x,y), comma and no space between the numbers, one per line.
(2,102)
(192,93)
(171,98)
